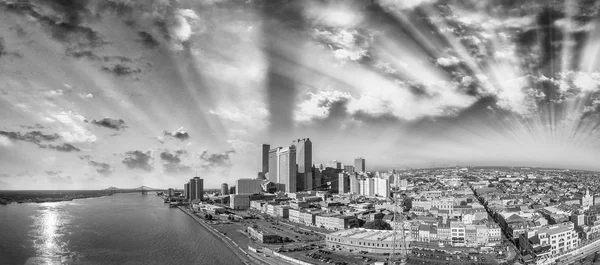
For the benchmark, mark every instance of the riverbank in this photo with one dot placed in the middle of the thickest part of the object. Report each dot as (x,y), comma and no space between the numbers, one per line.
(8,197)
(237,250)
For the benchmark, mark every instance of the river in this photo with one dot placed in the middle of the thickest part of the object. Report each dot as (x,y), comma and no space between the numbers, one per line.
(118,229)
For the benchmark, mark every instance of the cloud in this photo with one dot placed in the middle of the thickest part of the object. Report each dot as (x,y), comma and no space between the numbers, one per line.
(53,173)
(102,168)
(138,160)
(121,70)
(147,40)
(319,105)
(72,129)
(32,136)
(36,126)
(115,124)
(346,44)
(172,162)
(62,148)
(216,160)
(179,134)
(62,20)
(403,5)
(448,61)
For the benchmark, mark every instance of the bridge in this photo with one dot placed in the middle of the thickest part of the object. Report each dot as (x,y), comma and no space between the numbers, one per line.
(143,189)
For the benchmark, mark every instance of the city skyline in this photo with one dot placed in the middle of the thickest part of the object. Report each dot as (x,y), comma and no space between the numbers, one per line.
(100,94)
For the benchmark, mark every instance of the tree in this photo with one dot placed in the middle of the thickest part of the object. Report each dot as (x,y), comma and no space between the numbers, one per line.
(378,225)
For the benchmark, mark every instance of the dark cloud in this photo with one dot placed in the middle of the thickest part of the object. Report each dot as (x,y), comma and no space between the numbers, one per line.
(31,127)
(114,58)
(147,40)
(216,159)
(53,173)
(115,124)
(138,160)
(65,24)
(83,55)
(85,157)
(172,162)
(33,136)
(102,168)
(5,175)
(62,148)
(181,135)
(121,70)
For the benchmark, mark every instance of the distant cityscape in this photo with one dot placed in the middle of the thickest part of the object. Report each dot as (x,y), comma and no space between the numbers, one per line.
(457,215)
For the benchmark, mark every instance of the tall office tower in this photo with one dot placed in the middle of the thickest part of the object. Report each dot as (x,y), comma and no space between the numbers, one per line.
(186,190)
(263,159)
(308,181)
(344,183)
(317,178)
(232,190)
(349,168)
(354,186)
(286,163)
(224,189)
(274,165)
(304,161)
(359,164)
(196,188)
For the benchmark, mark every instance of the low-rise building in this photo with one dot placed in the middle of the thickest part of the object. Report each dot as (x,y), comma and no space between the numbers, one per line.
(549,240)
(361,239)
(239,201)
(336,221)
(262,236)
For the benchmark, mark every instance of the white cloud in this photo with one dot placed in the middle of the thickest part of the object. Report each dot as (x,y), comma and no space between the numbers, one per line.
(86,96)
(448,61)
(317,105)
(54,93)
(588,82)
(4,141)
(72,129)
(400,5)
(185,23)
(347,45)
(333,14)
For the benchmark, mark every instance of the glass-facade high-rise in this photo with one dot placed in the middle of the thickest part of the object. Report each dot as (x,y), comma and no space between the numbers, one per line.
(359,164)
(304,162)
(286,159)
(263,158)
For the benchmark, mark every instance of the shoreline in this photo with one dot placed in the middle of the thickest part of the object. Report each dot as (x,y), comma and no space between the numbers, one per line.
(236,249)
(7,201)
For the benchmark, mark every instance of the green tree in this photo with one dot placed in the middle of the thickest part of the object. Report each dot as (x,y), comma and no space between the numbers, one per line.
(378,225)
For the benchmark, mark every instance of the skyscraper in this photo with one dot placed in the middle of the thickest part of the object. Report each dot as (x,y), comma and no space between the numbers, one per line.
(344,183)
(263,158)
(186,190)
(304,162)
(224,189)
(354,184)
(273,165)
(286,163)
(196,188)
(359,164)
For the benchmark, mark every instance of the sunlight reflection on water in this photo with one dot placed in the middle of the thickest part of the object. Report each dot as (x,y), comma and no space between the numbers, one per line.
(47,235)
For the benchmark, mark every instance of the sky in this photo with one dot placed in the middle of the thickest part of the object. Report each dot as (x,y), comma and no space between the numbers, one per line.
(127,93)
